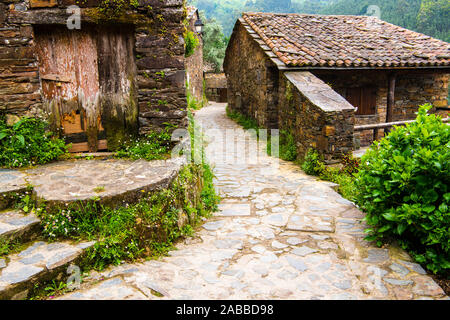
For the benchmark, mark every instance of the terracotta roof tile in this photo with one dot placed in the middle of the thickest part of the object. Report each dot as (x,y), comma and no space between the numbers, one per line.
(345,41)
(190,10)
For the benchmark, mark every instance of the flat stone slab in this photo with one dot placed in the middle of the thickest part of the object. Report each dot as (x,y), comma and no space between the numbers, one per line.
(17,272)
(303,251)
(114,289)
(215,225)
(310,223)
(376,255)
(234,209)
(12,181)
(35,262)
(86,179)
(14,224)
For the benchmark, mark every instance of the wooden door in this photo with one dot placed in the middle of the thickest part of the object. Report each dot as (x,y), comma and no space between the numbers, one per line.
(363,98)
(68,67)
(223,95)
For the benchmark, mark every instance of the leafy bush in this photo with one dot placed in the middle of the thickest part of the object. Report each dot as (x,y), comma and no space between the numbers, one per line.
(209,197)
(288,148)
(28,143)
(154,146)
(344,175)
(403,186)
(191,41)
(311,164)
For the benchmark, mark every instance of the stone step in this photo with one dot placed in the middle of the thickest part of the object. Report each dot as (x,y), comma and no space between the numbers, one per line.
(111,182)
(14,224)
(12,185)
(36,264)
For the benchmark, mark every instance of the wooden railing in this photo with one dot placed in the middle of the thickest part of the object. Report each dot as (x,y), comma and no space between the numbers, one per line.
(377,126)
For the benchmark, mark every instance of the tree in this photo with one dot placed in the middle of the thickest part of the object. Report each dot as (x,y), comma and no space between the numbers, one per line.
(434,18)
(214,43)
(269,5)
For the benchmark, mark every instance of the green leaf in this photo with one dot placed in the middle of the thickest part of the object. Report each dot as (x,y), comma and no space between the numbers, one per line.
(384,228)
(371,238)
(429,208)
(3,135)
(21,139)
(401,228)
(389,216)
(17,125)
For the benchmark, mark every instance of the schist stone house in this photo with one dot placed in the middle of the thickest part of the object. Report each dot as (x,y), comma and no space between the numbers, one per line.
(317,77)
(123,72)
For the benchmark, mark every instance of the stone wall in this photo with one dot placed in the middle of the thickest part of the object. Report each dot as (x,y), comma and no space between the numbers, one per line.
(216,87)
(252,79)
(19,77)
(159,55)
(413,88)
(315,115)
(194,64)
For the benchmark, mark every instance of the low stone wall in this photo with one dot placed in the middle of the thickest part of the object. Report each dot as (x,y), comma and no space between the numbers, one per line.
(315,115)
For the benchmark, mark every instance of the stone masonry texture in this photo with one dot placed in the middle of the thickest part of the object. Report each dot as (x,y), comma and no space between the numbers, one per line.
(159,81)
(265,47)
(194,63)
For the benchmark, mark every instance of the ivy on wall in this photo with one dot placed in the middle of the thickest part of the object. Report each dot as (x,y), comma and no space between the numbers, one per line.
(191,43)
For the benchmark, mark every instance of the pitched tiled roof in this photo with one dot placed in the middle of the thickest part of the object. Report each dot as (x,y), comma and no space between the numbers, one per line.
(190,10)
(344,41)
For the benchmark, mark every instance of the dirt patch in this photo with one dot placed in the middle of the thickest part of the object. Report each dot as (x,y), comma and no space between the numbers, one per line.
(444,283)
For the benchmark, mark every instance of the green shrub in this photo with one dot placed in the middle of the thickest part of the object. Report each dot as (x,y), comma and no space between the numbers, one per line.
(28,143)
(344,176)
(288,147)
(154,146)
(209,197)
(191,42)
(403,186)
(312,163)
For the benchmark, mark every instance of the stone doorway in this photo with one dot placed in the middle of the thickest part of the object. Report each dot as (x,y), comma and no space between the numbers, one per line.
(87,78)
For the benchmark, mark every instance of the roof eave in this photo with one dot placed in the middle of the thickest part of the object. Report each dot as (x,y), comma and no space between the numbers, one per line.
(283,68)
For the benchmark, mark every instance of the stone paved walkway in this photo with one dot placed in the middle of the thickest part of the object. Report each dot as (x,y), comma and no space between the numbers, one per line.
(280,235)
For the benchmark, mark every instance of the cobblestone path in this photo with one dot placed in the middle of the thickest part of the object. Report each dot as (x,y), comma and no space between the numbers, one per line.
(280,234)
